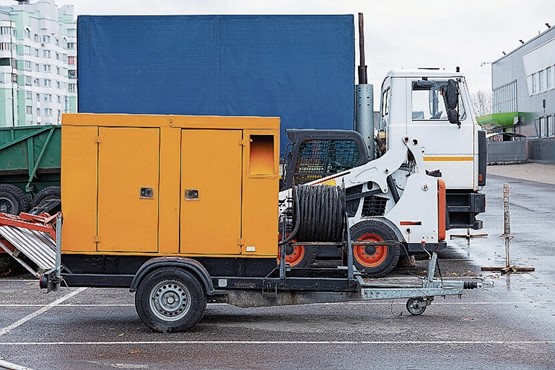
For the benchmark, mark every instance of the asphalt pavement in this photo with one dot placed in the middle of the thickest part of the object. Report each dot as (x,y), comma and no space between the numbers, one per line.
(508,326)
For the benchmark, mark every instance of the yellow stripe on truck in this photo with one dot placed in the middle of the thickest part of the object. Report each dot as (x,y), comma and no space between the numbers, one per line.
(448,159)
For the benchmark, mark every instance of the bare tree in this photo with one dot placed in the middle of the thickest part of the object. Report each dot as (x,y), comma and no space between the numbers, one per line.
(482,103)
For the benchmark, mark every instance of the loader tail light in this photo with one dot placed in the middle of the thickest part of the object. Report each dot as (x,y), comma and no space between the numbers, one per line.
(441,209)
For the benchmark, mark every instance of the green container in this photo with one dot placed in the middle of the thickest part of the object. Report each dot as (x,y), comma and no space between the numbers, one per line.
(30,157)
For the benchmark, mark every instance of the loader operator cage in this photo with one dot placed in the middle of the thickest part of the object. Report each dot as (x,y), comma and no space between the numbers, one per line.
(323,157)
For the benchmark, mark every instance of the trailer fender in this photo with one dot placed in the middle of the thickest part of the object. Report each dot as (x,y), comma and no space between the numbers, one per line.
(187,264)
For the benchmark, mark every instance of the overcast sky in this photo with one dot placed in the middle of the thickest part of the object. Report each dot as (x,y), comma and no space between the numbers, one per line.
(399,33)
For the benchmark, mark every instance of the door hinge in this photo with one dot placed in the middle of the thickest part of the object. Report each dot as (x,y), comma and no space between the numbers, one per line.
(243,142)
(241,242)
(96,239)
(97,140)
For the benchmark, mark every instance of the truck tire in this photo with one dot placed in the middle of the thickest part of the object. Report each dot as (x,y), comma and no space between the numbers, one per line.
(375,261)
(13,200)
(170,300)
(46,194)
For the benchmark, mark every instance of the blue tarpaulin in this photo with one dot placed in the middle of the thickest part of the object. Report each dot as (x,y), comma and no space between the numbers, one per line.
(297,67)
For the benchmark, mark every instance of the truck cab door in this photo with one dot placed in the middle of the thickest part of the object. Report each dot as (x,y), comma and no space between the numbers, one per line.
(448,146)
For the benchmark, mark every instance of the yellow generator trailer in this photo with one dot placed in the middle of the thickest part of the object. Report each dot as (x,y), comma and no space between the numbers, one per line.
(185,210)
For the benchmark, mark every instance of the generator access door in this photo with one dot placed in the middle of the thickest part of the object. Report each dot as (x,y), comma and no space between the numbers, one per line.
(211,172)
(128,172)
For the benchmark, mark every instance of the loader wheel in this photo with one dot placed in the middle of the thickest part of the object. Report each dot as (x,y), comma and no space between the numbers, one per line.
(46,194)
(12,200)
(376,261)
(298,255)
(170,300)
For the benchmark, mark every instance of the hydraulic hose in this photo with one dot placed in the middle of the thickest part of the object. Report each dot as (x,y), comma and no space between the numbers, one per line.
(320,213)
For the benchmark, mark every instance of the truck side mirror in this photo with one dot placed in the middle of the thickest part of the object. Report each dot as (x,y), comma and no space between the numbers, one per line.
(452,101)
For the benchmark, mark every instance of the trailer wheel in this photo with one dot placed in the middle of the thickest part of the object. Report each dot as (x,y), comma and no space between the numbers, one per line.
(13,200)
(379,260)
(170,300)
(416,306)
(46,194)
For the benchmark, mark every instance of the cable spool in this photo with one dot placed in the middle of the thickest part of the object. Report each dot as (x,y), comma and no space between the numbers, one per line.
(320,213)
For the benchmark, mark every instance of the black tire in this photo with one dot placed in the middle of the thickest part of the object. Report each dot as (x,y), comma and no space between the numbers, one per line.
(416,306)
(376,261)
(46,194)
(170,300)
(13,200)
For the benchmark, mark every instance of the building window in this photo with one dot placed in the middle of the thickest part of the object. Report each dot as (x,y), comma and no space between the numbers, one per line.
(47,82)
(47,68)
(541,81)
(37,53)
(38,111)
(48,112)
(5,46)
(71,45)
(47,97)
(45,39)
(27,50)
(72,74)
(28,80)
(549,77)
(36,37)
(28,95)
(505,98)
(71,88)
(27,65)
(37,67)
(27,33)
(7,31)
(71,60)
(551,126)
(46,53)
(29,109)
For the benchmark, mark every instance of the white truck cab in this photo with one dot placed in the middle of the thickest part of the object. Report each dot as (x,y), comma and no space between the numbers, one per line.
(414,103)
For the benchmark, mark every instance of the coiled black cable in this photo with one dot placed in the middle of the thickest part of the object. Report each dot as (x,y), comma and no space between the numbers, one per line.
(319,213)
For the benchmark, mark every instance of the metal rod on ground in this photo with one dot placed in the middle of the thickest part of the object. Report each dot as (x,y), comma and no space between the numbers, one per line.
(506,224)
(507,238)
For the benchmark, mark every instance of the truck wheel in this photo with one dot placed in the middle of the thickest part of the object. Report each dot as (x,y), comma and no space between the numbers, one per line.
(170,300)
(376,261)
(46,194)
(13,200)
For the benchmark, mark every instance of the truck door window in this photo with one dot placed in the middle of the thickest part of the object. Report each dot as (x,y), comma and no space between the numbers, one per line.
(428,101)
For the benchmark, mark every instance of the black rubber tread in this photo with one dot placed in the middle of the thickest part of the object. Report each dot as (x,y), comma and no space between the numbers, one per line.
(191,318)
(381,229)
(14,198)
(51,192)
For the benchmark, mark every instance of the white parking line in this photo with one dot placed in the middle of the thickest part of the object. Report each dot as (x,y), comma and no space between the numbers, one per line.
(294,342)
(384,302)
(12,366)
(22,321)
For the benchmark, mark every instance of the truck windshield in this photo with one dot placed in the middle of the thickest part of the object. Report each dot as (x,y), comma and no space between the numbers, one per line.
(428,101)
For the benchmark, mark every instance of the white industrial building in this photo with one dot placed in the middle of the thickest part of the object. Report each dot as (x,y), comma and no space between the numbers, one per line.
(37,63)
(523,84)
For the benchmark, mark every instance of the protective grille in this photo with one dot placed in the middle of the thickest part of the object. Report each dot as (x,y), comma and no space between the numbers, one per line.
(323,157)
(374,206)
